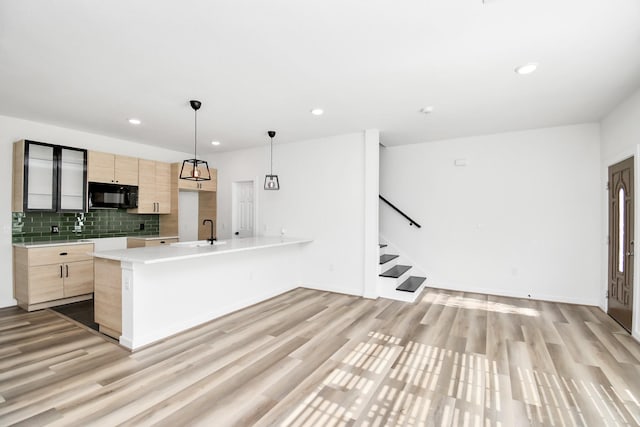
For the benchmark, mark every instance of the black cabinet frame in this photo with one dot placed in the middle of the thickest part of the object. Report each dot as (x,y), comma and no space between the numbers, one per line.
(56,181)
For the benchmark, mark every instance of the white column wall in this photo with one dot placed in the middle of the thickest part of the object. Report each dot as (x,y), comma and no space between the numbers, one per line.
(371,213)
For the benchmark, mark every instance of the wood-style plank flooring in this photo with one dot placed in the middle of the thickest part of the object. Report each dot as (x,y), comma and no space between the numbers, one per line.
(311,358)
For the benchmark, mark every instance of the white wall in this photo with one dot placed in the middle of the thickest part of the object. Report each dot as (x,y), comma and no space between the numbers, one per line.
(322,196)
(620,135)
(522,218)
(12,129)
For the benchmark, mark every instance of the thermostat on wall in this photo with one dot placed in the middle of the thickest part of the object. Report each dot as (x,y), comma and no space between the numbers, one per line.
(460,162)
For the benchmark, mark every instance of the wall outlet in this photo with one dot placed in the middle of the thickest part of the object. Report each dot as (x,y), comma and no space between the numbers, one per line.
(55,229)
(142,226)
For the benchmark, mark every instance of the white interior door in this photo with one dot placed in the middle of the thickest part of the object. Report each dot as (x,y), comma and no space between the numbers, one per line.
(243,209)
(188,216)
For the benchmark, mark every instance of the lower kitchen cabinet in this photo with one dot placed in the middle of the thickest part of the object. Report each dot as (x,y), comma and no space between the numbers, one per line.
(52,275)
(108,297)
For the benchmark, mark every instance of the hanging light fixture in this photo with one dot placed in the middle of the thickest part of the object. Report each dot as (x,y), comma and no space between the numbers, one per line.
(194,169)
(271,181)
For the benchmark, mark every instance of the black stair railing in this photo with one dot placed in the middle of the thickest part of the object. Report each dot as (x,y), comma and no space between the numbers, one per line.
(411,221)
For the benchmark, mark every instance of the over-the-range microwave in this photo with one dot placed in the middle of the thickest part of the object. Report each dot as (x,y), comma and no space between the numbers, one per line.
(114,196)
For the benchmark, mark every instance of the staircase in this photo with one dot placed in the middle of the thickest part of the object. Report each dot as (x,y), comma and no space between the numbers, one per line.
(397,280)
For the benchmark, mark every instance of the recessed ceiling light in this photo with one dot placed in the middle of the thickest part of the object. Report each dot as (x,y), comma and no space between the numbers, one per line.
(215,142)
(527,68)
(317,111)
(135,121)
(426,110)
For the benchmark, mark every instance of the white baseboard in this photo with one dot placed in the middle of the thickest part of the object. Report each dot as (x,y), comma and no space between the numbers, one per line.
(507,293)
(337,289)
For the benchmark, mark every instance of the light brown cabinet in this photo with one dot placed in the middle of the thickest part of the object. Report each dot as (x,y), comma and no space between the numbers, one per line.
(211,185)
(108,297)
(133,242)
(52,275)
(112,168)
(154,187)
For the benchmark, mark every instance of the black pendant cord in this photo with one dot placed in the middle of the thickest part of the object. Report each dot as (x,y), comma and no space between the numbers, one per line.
(195,139)
(272,156)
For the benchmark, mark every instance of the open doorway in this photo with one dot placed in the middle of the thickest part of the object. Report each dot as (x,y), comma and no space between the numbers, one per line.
(621,235)
(188,215)
(243,209)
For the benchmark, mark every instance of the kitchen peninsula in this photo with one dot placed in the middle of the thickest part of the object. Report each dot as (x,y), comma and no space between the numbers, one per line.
(143,295)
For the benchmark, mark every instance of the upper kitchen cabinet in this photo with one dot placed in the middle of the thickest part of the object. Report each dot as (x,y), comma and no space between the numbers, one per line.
(111,168)
(48,177)
(154,187)
(209,185)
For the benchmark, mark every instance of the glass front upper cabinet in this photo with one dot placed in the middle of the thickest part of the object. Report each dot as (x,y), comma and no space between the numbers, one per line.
(53,178)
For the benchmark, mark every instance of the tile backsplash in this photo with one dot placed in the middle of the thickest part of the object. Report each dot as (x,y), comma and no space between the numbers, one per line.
(36,226)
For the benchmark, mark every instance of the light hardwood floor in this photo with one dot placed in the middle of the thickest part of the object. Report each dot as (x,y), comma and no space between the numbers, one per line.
(311,358)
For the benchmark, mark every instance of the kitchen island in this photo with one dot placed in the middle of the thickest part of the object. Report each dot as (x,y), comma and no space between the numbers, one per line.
(143,295)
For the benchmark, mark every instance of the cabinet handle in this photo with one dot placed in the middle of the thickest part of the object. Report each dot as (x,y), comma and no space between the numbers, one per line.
(60,270)
(67,267)
(63,253)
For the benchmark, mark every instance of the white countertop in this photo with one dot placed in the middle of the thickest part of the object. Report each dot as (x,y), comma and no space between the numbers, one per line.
(156,254)
(52,243)
(85,241)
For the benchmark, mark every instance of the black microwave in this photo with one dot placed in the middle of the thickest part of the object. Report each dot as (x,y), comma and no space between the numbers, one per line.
(112,196)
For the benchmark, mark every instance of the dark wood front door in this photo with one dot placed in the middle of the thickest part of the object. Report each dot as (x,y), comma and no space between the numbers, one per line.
(621,203)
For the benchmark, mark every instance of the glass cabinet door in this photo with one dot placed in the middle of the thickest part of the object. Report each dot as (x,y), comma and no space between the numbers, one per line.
(72,181)
(55,178)
(40,184)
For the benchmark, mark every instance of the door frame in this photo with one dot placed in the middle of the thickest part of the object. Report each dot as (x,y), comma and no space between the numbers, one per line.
(610,161)
(234,200)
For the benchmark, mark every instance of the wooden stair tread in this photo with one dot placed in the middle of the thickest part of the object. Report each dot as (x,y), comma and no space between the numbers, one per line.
(411,284)
(396,271)
(382,245)
(387,257)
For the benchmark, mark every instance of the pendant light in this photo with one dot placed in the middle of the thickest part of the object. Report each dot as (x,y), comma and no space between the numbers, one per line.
(271,181)
(194,169)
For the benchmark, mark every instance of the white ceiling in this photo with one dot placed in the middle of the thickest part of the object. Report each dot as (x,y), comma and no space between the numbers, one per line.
(260,65)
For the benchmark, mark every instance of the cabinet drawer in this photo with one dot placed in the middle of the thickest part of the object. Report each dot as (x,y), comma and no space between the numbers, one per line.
(158,242)
(59,254)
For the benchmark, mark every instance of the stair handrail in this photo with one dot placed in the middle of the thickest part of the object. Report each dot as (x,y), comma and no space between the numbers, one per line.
(411,221)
